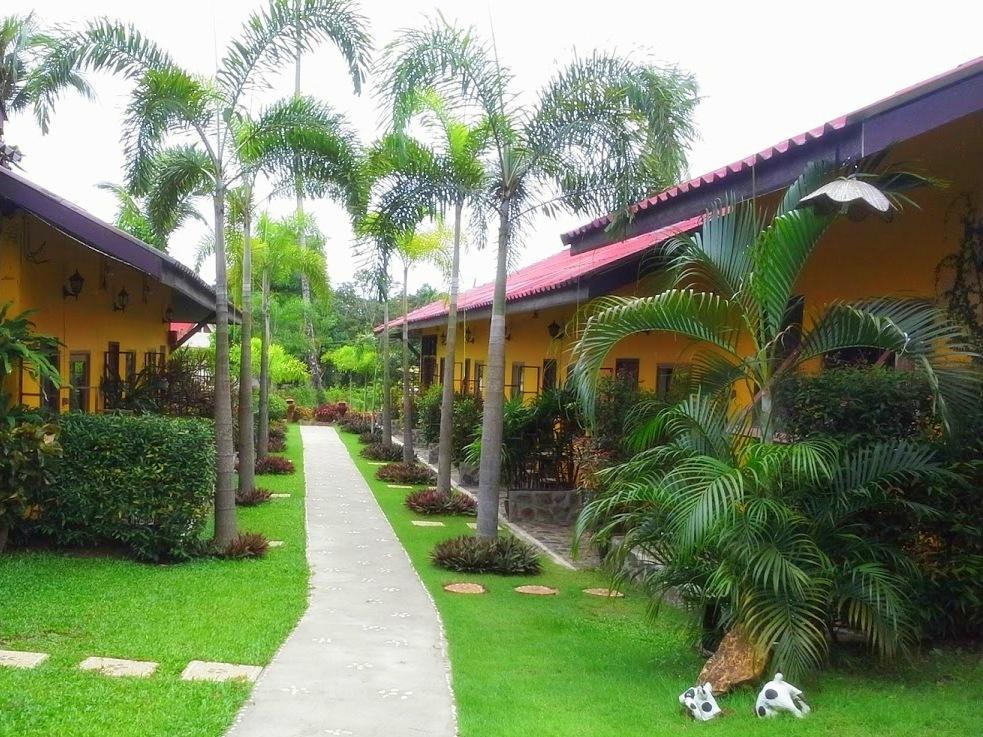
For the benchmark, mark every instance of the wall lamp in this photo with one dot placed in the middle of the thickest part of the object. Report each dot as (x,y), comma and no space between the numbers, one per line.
(554,330)
(168,315)
(468,335)
(121,301)
(74,288)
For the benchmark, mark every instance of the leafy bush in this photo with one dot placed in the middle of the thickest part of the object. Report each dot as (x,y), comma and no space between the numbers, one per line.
(278,430)
(26,454)
(331,412)
(274,465)
(406,473)
(507,556)
(276,445)
(379,452)
(357,422)
(861,404)
(303,414)
(252,498)
(370,438)
(143,481)
(278,407)
(428,412)
(466,426)
(246,545)
(431,501)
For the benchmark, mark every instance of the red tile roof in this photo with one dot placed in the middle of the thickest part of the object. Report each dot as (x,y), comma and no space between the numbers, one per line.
(785,145)
(555,272)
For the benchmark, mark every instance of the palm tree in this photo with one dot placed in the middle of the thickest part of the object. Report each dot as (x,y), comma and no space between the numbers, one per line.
(22,45)
(603,132)
(765,535)
(415,247)
(133,216)
(741,316)
(209,116)
(449,174)
(281,255)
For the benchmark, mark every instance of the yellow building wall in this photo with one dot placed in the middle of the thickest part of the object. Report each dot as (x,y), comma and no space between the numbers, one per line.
(853,261)
(36,261)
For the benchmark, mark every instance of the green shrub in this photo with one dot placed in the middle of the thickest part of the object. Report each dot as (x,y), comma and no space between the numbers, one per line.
(466,426)
(143,481)
(406,473)
(431,501)
(278,407)
(507,556)
(855,404)
(428,413)
(379,452)
(26,455)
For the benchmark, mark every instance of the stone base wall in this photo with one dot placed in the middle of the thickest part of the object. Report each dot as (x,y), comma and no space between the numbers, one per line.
(543,505)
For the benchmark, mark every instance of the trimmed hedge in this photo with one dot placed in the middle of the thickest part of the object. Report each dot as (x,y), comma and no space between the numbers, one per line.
(144,481)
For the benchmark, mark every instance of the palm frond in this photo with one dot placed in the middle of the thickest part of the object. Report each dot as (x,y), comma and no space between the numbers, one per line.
(273,35)
(179,173)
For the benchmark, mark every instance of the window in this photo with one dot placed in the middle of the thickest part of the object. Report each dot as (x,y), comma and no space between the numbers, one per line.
(518,369)
(111,367)
(130,360)
(663,379)
(428,360)
(78,382)
(626,369)
(549,374)
(443,365)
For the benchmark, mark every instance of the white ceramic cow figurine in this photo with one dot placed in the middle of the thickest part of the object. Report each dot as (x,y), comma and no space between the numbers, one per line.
(777,696)
(699,702)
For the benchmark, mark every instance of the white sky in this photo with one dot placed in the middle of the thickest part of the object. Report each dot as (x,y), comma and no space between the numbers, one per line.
(766,69)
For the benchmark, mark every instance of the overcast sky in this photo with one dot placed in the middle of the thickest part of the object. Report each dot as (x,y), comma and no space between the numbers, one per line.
(766,70)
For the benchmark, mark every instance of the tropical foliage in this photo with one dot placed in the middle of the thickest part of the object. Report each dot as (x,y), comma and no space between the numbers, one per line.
(774,537)
(603,132)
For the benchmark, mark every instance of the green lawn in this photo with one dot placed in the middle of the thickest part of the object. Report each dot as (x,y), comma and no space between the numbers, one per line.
(574,665)
(73,606)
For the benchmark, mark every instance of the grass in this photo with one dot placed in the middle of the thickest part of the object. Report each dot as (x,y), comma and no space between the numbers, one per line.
(570,665)
(74,606)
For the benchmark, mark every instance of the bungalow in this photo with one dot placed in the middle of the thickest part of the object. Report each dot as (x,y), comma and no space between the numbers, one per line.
(109,298)
(936,125)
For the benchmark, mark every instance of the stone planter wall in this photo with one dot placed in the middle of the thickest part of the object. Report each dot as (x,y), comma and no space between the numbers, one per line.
(469,474)
(543,505)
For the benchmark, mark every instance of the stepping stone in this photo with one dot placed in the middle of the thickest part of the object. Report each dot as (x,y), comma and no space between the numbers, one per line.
(474,525)
(604,592)
(279,496)
(275,544)
(465,588)
(427,523)
(119,667)
(201,670)
(21,658)
(535,590)
(398,486)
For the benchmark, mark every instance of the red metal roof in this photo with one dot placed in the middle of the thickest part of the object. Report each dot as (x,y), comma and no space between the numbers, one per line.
(786,145)
(555,272)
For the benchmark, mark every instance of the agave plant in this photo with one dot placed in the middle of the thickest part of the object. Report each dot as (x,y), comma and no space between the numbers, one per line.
(769,536)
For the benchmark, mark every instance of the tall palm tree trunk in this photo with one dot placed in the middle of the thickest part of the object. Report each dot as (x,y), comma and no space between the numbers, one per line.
(407,397)
(490,467)
(387,393)
(313,362)
(247,440)
(225,502)
(447,391)
(264,372)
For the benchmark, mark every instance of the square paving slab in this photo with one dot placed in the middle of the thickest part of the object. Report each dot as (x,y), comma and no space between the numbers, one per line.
(279,496)
(119,667)
(21,659)
(201,670)
(427,523)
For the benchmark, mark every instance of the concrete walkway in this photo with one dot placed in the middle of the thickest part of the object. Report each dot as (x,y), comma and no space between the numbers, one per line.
(368,657)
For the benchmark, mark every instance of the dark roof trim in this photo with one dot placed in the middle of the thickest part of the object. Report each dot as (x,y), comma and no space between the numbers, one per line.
(909,113)
(107,239)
